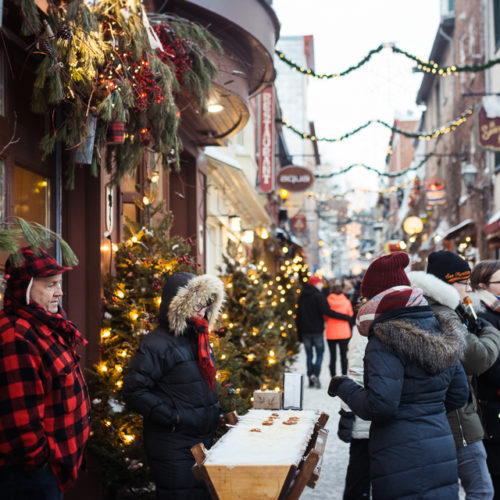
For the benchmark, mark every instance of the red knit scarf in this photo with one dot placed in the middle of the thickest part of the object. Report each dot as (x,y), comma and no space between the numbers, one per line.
(205,362)
(392,298)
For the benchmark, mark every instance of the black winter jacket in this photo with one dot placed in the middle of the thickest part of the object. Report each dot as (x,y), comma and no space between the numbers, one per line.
(412,376)
(488,389)
(312,306)
(164,384)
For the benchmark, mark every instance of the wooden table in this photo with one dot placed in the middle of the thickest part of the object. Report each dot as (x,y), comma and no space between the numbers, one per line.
(276,463)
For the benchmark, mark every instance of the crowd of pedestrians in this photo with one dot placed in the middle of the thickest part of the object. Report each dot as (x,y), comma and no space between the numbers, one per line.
(419,379)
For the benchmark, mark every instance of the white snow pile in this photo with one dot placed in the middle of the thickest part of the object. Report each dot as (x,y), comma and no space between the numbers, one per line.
(276,444)
(491,104)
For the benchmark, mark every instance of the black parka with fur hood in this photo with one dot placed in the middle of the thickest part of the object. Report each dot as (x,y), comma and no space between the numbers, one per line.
(412,376)
(164,384)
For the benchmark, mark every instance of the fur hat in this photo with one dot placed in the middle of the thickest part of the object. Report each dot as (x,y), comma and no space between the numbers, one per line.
(385,272)
(448,266)
(314,280)
(184,291)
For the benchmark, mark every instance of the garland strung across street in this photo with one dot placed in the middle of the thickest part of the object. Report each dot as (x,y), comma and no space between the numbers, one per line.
(416,135)
(372,169)
(422,65)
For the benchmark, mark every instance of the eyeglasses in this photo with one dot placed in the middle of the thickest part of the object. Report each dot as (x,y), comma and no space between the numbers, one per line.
(198,307)
(493,282)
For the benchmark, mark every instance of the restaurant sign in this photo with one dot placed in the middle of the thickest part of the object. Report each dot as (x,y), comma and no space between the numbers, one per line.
(266,160)
(488,130)
(295,179)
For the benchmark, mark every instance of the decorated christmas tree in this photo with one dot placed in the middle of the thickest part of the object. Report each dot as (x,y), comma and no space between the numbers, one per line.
(131,303)
(259,322)
(287,287)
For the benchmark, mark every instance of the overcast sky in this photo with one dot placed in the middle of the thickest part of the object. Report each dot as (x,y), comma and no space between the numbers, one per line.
(344,32)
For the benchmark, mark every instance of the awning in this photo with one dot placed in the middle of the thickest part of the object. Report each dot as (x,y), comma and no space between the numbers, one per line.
(454,231)
(493,224)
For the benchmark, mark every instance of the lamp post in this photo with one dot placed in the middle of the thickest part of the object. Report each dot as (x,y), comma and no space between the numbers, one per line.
(469,175)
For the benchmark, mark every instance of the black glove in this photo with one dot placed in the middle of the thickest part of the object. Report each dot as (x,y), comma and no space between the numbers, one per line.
(335,384)
(345,425)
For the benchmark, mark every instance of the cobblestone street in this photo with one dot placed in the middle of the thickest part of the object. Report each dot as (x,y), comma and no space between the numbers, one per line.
(330,485)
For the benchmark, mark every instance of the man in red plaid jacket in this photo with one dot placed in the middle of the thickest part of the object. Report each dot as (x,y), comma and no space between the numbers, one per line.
(44,402)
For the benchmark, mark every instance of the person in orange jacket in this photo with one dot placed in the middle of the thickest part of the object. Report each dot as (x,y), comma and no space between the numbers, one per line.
(338,332)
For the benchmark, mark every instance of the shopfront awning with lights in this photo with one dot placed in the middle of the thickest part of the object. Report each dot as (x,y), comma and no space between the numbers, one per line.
(457,230)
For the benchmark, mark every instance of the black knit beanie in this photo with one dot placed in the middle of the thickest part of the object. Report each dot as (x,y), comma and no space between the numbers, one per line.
(448,266)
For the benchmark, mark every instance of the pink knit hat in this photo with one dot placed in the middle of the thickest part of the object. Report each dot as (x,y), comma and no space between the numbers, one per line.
(385,272)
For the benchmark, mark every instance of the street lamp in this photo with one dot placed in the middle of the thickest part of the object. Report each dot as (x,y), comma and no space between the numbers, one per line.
(469,175)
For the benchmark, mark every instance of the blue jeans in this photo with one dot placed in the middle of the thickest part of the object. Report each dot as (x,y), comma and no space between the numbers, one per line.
(473,472)
(314,342)
(17,483)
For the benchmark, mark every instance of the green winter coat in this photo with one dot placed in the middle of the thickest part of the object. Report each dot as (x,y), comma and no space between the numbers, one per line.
(480,353)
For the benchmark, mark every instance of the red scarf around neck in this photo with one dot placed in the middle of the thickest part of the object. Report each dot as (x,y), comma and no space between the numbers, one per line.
(205,362)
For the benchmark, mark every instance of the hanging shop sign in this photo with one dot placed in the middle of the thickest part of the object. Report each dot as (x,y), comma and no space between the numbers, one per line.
(295,179)
(299,223)
(266,143)
(435,192)
(488,123)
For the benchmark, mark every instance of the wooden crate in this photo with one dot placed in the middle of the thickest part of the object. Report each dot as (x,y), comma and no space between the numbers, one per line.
(267,481)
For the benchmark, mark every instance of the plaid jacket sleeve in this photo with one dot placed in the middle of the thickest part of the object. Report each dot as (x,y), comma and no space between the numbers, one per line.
(22,436)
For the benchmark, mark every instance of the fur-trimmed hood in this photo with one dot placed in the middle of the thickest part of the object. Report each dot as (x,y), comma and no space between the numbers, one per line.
(435,289)
(434,352)
(182,292)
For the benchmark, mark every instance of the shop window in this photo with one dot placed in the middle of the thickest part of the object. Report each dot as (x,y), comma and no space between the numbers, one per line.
(31,196)
(2,190)
(497,162)
(496,22)
(2,84)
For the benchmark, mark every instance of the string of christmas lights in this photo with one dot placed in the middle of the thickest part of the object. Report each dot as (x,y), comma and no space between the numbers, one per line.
(445,129)
(422,65)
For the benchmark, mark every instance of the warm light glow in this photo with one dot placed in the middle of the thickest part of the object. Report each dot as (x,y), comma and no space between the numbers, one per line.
(248,236)
(120,294)
(146,201)
(128,438)
(413,225)
(105,333)
(103,367)
(285,249)
(284,194)
(155,177)
(215,108)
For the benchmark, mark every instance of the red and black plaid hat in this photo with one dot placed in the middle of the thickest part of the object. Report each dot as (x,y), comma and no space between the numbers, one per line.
(36,264)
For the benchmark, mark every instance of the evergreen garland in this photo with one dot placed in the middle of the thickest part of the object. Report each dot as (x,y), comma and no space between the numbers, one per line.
(19,232)
(97,60)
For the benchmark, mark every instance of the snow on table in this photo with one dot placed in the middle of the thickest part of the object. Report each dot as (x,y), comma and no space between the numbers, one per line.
(276,444)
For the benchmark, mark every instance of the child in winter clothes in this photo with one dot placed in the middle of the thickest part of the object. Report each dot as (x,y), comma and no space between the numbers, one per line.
(355,430)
